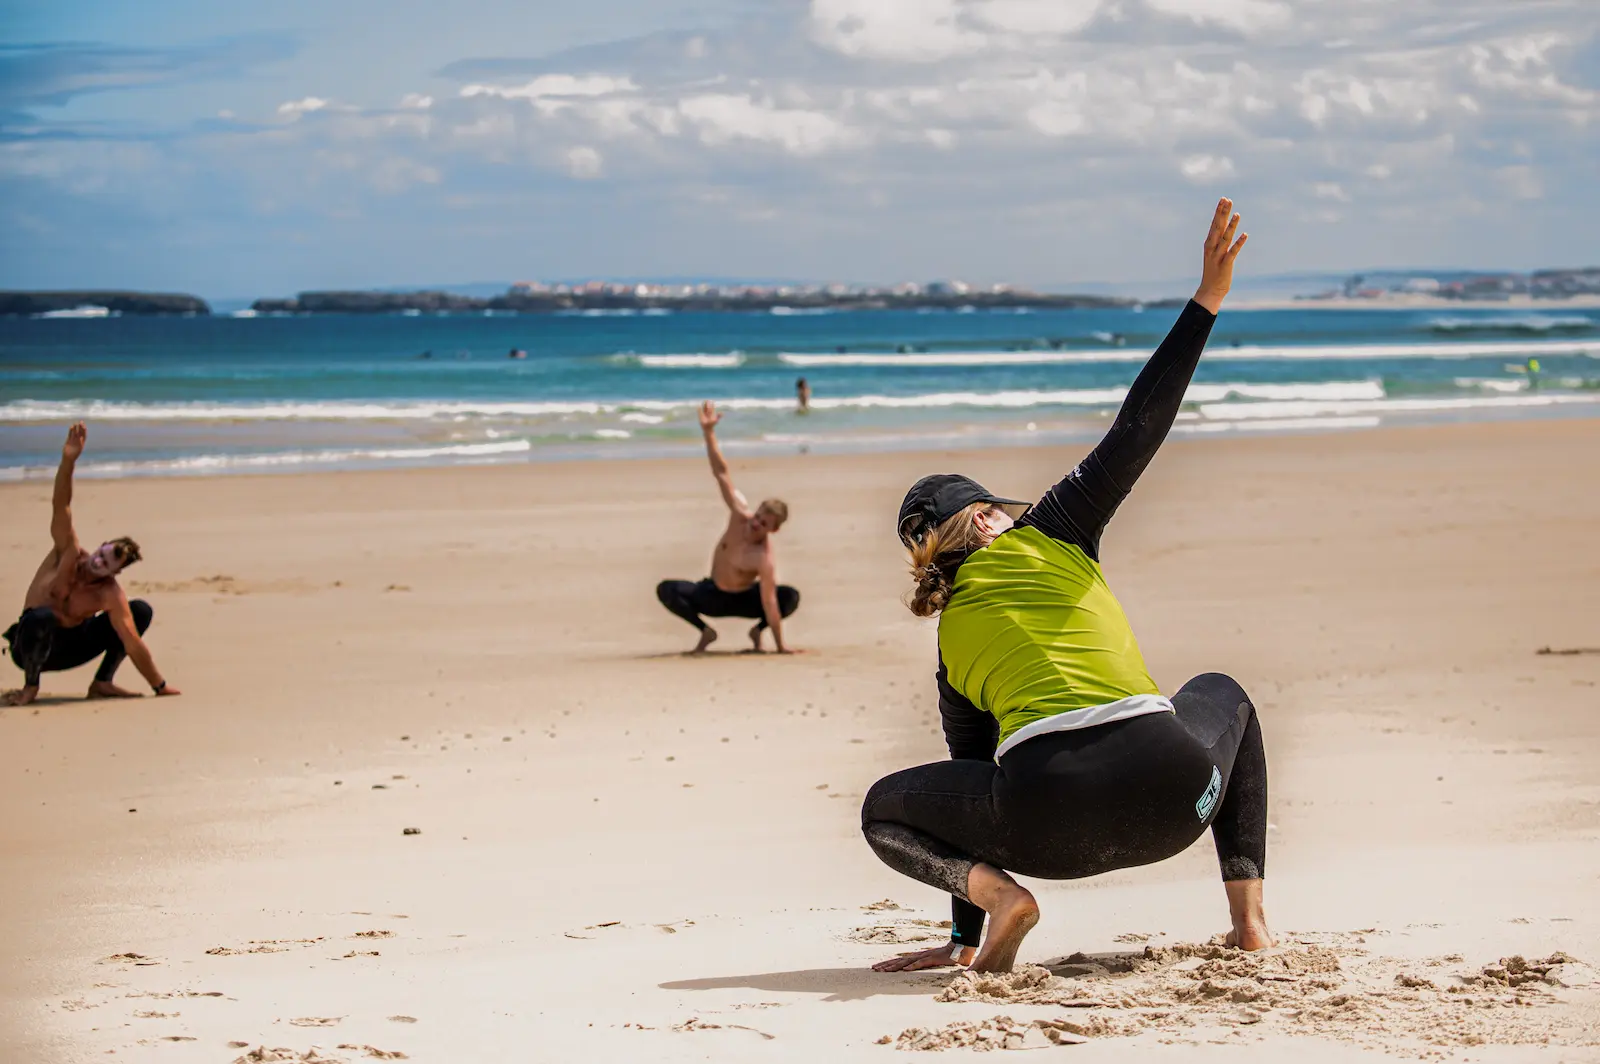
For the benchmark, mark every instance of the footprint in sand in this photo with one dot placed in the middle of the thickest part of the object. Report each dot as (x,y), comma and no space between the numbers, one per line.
(315,1021)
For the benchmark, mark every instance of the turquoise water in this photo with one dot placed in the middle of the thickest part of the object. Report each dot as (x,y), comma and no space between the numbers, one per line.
(224,394)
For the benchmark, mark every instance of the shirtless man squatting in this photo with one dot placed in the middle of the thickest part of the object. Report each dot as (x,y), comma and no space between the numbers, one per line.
(744,567)
(75,611)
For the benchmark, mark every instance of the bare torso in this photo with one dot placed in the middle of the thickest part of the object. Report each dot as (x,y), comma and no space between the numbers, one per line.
(736,563)
(60,583)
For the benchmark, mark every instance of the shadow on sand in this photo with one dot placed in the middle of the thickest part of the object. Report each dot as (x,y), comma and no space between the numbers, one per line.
(838,984)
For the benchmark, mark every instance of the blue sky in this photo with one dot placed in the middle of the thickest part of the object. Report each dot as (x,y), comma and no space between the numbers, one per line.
(240,150)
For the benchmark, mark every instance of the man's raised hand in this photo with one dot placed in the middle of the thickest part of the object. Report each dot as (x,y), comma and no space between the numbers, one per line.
(76,436)
(1223,244)
(709,416)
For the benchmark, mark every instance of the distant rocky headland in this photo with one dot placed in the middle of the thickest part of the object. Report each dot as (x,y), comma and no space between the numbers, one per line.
(533,298)
(93,303)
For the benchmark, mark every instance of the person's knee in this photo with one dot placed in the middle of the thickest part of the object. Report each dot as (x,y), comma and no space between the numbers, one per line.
(1220,686)
(667,593)
(143,614)
(788,600)
(881,803)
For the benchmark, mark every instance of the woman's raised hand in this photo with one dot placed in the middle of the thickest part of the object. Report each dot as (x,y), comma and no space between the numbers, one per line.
(1223,243)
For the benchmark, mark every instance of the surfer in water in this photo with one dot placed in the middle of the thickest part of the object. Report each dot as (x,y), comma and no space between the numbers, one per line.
(1066,760)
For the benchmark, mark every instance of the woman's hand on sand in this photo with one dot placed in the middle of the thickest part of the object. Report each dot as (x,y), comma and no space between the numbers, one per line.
(938,957)
(168,691)
(1222,247)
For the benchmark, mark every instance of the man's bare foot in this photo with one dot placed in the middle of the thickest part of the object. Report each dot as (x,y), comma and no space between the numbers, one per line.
(937,957)
(1249,917)
(20,697)
(1012,913)
(755,638)
(707,637)
(107,689)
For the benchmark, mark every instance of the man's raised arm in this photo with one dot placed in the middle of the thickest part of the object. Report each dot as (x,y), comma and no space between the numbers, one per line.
(719,465)
(61,531)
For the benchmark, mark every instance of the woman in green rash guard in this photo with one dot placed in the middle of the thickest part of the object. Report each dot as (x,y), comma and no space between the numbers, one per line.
(1066,760)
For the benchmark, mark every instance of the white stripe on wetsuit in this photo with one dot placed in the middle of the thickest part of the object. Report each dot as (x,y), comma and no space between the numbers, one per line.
(1121,709)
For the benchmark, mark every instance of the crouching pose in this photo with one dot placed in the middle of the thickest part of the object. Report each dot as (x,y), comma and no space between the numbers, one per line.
(1066,759)
(744,567)
(75,611)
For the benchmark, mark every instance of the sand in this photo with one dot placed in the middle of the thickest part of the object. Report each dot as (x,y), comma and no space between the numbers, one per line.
(623,854)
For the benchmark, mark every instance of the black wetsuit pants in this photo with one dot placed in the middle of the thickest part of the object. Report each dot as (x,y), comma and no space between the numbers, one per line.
(691,600)
(1071,804)
(39,642)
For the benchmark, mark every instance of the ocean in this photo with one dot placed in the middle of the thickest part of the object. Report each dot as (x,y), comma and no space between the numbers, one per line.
(225,395)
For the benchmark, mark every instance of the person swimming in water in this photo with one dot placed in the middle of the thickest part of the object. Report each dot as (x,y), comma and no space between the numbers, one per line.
(1066,760)
(802,396)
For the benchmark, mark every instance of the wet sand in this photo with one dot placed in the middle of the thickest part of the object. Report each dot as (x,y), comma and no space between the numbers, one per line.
(625,854)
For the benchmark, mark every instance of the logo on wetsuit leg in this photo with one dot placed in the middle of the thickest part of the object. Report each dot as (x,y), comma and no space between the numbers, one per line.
(1208,800)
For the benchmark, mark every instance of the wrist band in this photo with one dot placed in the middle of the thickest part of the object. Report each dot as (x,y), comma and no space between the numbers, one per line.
(158,688)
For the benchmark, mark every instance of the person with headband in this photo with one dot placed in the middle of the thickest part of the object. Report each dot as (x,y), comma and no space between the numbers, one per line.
(1066,759)
(75,611)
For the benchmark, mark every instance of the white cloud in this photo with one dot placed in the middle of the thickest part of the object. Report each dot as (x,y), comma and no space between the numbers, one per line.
(1206,169)
(1330,190)
(1057,17)
(1245,16)
(296,108)
(584,163)
(720,118)
(916,30)
(555,85)
(416,101)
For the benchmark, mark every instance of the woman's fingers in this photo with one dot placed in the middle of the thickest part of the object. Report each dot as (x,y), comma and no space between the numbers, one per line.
(1219,219)
(1238,245)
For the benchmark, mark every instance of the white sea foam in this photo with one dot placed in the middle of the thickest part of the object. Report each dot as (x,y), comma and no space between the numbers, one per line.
(1315,408)
(729,361)
(612,434)
(1533,323)
(30,410)
(643,419)
(1242,353)
(279,460)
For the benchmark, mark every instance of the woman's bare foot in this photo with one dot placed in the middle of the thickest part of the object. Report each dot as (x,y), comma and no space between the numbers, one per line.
(707,637)
(107,689)
(937,957)
(755,637)
(1012,913)
(1249,917)
(20,697)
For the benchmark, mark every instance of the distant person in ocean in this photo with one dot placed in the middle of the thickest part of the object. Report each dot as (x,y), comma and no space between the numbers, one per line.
(1066,759)
(744,566)
(517,352)
(802,396)
(75,611)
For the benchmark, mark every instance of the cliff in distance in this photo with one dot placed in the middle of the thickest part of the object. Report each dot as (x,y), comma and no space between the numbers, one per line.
(14,304)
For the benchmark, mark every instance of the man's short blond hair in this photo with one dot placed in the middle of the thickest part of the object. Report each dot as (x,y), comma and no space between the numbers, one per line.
(776,507)
(127,550)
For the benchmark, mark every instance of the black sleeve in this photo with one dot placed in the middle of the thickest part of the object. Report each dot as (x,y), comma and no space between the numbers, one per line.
(969,732)
(1077,509)
(972,735)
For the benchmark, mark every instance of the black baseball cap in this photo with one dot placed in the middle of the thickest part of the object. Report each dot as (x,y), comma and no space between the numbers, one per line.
(935,499)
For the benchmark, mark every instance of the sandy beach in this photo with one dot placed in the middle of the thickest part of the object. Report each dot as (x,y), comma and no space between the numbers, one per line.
(623,854)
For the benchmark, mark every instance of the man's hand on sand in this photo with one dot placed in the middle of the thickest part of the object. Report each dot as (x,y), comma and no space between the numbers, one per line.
(938,957)
(20,697)
(709,416)
(1221,248)
(76,436)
